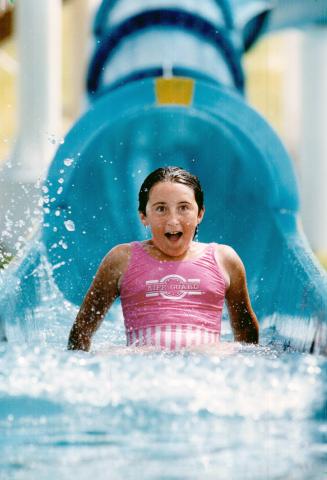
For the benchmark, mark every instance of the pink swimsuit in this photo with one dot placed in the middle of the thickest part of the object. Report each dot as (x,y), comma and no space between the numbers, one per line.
(172,304)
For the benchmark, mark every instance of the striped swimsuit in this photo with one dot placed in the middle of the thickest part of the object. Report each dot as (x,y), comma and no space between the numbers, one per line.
(172,304)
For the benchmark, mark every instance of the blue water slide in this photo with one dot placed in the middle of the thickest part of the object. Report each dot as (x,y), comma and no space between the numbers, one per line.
(165,83)
(144,45)
(259,17)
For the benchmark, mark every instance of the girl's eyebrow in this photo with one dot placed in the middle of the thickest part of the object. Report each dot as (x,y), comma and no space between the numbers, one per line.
(161,202)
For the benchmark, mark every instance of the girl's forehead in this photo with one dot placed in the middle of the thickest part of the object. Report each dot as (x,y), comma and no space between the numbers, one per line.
(166,189)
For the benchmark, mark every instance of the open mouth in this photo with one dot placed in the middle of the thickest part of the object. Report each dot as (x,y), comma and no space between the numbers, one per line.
(173,235)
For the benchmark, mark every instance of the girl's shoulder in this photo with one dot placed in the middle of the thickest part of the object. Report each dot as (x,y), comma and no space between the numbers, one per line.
(226,253)
(115,263)
(228,260)
(119,255)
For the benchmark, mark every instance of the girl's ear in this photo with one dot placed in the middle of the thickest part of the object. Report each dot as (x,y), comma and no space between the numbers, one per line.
(201,215)
(143,219)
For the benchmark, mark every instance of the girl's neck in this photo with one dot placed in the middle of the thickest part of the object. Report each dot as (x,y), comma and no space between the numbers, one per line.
(192,251)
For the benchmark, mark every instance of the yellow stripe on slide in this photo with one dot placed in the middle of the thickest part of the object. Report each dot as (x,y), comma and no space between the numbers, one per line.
(177,91)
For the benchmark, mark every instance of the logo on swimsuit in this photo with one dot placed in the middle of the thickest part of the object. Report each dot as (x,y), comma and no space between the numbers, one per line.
(173,287)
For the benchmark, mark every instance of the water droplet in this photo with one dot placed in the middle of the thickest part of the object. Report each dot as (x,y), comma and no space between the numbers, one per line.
(59,191)
(68,161)
(70,225)
(61,180)
(63,244)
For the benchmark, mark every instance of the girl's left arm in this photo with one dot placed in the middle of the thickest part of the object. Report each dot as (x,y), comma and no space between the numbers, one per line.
(243,320)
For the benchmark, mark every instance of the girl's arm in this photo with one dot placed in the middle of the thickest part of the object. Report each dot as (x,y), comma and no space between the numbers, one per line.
(243,320)
(100,296)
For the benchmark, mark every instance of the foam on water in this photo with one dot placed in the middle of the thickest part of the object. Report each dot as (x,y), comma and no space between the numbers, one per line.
(245,412)
(236,412)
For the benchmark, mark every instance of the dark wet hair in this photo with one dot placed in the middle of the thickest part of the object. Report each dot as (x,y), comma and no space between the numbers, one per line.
(170,174)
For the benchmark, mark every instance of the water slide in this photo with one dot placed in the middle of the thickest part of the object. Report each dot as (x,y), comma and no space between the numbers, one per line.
(166,86)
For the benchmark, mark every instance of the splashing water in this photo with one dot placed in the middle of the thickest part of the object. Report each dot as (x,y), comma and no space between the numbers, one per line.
(234,413)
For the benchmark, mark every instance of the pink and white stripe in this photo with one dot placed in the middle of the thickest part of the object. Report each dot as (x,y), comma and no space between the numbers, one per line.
(171,337)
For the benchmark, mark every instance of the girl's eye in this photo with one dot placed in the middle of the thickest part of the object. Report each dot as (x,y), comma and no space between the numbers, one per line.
(184,208)
(160,209)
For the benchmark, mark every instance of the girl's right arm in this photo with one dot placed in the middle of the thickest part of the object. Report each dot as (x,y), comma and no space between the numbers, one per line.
(100,296)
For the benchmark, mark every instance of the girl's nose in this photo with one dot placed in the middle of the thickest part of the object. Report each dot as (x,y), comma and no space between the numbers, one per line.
(173,219)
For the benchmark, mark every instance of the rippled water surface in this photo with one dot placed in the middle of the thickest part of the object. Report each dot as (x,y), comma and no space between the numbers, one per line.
(236,413)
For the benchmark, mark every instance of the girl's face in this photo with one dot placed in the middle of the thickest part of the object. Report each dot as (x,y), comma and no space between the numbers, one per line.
(173,214)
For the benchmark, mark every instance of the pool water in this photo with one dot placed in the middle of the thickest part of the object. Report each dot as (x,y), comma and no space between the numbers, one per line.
(238,412)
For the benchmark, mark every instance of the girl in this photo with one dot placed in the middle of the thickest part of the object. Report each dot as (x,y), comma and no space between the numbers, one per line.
(172,289)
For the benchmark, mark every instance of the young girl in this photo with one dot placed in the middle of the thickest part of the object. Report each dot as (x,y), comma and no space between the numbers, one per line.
(172,289)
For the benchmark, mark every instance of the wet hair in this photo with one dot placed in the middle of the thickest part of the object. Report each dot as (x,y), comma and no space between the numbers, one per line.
(170,174)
